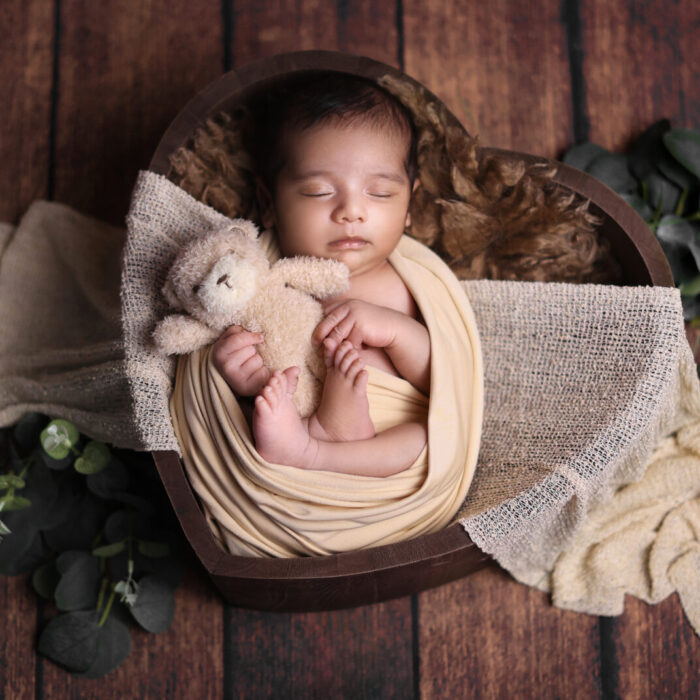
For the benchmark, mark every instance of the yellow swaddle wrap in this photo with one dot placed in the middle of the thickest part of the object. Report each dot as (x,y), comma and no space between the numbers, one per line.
(256,508)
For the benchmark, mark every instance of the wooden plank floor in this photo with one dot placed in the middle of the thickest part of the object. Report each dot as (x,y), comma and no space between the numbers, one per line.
(87,88)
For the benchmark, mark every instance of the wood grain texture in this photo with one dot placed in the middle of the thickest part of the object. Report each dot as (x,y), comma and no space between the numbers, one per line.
(364,27)
(488,636)
(656,650)
(126,68)
(360,653)
(18,623)
(501,67)
(641,62)
(184,662)
(26,66)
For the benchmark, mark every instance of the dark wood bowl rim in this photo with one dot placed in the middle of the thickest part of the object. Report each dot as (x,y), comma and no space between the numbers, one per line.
(427,550)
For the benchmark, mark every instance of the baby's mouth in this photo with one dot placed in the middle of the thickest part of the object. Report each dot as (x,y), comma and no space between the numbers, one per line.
(349,243)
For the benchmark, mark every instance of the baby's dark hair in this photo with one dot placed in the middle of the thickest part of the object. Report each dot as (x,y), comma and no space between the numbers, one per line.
(313,98)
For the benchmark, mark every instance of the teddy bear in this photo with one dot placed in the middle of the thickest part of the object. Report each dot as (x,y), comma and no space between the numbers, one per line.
(224,278)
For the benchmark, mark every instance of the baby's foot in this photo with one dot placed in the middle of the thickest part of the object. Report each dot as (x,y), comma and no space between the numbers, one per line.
(343,414)
(280,434)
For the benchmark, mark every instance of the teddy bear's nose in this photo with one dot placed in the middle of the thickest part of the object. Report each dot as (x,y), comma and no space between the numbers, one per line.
(222,280)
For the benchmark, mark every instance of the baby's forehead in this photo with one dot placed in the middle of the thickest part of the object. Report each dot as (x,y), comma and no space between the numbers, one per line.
(366,134)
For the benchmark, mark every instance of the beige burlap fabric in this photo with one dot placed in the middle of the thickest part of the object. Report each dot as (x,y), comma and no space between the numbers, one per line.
(581,382)
(61,351)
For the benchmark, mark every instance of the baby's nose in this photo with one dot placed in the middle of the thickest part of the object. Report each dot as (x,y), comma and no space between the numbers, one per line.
(351,209)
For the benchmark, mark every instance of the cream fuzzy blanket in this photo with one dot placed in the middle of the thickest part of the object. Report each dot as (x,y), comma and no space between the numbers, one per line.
(585,386)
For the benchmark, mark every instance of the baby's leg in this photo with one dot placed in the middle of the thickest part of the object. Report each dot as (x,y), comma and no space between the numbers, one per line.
(281,436)
(343,413)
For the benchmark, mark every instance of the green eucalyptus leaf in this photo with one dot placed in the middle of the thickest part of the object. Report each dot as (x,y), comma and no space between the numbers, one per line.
(583,154)
(155,550)
(58,437)
(109,550)
(56,464)
(684,146)
(15,503)
(691,288)
(113,646)
(28,552)
(4,530)
(611,169)
(11,481)
(94,459)
(70,640)
(26,432)
(78,586)
(691,308)
(109,482)
(154,606)
(648,149)
(44,580)
(66,560)
(78,531)
(168,569)
(672,170)
(639,205)
(661,193)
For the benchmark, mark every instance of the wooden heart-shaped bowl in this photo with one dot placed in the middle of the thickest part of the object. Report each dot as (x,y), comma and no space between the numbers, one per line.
(379,573)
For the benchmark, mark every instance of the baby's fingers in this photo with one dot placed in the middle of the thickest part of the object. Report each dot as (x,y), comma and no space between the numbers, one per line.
(337,324)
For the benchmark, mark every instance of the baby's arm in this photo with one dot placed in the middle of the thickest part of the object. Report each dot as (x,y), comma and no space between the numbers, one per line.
(235,356)
(405,340)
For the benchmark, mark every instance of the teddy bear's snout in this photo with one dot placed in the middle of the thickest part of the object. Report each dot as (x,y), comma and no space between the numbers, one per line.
(224,279)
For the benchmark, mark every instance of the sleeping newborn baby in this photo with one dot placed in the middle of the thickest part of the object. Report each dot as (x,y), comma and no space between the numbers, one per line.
(391,449)
(339,187)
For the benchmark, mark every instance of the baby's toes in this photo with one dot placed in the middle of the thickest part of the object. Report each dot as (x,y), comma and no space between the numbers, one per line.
(290,378)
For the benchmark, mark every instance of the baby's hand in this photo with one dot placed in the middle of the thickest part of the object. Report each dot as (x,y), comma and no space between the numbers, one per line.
(235,356)
(359,322)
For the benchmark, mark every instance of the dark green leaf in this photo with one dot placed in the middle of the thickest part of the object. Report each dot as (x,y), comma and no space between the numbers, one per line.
(109,550)
(583,154)
(677,231)
(684,145)
(44,580)
(65,560)
(672,170)
(78,587)
(56,464)
(691,288)
(79,530)
(16,503)
(11,481)
(169,569)
(129,499)
(154,606)
(71,640)
(110,481)
(117,526)
(639,205)
(26,432)
(611,169)
(648,149)
(4,530)
(27,556)
(155,550)
(58,437)
(94,459)
(113,646)
(691,307)
(661,193)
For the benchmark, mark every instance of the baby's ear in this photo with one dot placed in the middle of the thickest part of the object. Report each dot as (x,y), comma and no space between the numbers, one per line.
(170,296)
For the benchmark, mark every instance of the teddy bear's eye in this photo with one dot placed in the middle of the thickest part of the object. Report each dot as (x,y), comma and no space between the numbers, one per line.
(195,289)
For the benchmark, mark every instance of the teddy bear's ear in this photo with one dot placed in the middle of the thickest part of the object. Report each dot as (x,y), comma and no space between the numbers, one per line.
(170,296)
(246,227)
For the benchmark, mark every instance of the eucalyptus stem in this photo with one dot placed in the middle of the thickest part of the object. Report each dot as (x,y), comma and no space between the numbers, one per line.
(108,607)
(103,590)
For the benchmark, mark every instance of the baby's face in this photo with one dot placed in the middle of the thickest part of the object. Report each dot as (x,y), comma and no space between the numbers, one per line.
(343,193)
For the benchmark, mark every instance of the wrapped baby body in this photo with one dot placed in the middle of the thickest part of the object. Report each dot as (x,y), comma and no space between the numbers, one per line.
(256,508)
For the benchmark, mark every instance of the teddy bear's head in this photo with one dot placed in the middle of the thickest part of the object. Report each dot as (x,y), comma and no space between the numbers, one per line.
(214,277)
